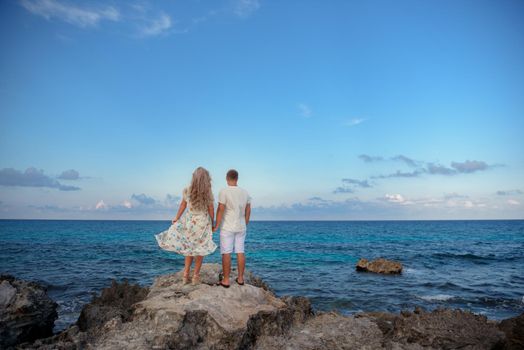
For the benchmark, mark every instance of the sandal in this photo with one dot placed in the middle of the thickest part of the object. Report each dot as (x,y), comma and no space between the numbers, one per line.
(240,284)
(223,285)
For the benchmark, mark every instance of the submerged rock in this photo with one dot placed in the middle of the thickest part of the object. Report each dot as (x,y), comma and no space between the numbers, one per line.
(379,266)
(26,311)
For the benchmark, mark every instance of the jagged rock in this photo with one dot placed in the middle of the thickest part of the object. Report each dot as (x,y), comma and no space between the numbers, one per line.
(206,316)
(439,329)
(379,266)
(327,331)
(514,330)
(26,311)
(115,301)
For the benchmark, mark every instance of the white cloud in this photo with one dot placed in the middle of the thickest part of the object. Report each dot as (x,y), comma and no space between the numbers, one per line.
(81,17)
(244,8)
(127,204)
(395,198)
(100,205)
(305,110)
(354,122)
(157,26)
(513,202)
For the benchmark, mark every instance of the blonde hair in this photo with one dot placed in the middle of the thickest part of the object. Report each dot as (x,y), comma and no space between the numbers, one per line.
(199,192)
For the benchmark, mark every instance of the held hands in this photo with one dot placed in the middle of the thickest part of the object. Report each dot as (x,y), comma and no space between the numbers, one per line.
(174,220)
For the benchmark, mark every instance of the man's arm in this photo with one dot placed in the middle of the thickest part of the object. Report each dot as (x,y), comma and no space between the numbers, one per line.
(248,212)
(220,213)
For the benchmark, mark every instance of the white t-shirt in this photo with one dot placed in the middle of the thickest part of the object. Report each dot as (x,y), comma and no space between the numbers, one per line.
(235,200)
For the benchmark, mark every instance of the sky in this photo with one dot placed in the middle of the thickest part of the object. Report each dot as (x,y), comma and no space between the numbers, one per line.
(329,110)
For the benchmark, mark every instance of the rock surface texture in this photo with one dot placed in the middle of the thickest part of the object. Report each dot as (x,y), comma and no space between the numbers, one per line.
(26,312)
(379,266)
(171,315)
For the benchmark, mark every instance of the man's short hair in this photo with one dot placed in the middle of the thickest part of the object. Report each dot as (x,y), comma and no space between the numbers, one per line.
(232,175)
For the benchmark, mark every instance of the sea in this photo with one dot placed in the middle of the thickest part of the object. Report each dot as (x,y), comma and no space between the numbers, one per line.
(471,265)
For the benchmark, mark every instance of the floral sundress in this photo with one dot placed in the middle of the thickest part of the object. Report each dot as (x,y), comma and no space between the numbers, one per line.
(191,235)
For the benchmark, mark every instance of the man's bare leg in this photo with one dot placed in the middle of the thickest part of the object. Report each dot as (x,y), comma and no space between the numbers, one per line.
(226,268)
(241,265)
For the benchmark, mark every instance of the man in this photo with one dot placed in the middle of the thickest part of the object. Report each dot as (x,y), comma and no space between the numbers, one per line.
(233,212)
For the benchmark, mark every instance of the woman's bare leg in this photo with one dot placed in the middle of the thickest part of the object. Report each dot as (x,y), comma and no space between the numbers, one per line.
(187,265)
(198,265)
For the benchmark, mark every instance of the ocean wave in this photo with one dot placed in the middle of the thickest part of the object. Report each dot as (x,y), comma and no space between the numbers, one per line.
(437,297)
(464,256)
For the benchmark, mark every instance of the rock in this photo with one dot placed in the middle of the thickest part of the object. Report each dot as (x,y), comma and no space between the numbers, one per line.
(327,331)
(514,330)
(379,266)
(115,301)
(439,329)
(26,311)
(171,315)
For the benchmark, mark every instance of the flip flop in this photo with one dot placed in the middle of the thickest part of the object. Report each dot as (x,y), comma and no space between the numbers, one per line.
(241,284)
(223,285)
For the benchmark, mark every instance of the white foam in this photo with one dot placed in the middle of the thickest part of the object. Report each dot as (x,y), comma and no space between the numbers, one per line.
(411,271)
(437,297)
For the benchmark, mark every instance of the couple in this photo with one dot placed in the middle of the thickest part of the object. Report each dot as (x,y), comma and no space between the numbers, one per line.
(191,234)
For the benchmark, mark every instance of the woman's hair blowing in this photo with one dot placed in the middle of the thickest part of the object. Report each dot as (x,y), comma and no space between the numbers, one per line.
(200,195)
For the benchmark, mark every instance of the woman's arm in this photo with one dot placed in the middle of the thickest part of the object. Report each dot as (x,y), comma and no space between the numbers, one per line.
(248,212)
(211,211)
(181,209)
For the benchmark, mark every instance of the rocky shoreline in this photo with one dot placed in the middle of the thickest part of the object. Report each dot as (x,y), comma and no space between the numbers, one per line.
(171,315)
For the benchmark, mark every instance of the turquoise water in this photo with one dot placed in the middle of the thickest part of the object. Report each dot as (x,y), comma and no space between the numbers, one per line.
(474,265)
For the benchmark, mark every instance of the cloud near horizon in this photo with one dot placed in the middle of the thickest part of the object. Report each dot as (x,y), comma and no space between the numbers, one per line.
(31,177)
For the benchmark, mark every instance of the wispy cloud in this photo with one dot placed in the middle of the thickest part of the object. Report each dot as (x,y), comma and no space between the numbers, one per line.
(344,189)
(69,13)
(70,174)
(31,177)
(143,199)
(305,110)
(157,26)
(513,202)
(466,167)
(509,192)
(469,166)
(354,122)
(405,160)
(399,173)
(245,8)
(349,185)
(370,159)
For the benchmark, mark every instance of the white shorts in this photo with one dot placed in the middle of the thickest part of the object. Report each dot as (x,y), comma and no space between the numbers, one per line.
(230,241)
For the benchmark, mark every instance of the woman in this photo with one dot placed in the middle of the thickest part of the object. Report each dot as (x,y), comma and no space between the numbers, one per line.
(191,234)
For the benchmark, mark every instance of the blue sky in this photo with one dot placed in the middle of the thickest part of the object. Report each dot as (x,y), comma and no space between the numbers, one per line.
(329,110)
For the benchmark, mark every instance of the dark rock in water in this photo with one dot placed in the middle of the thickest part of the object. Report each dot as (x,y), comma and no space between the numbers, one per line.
(379,266)
(113,302)
(26,311)
(514,330)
